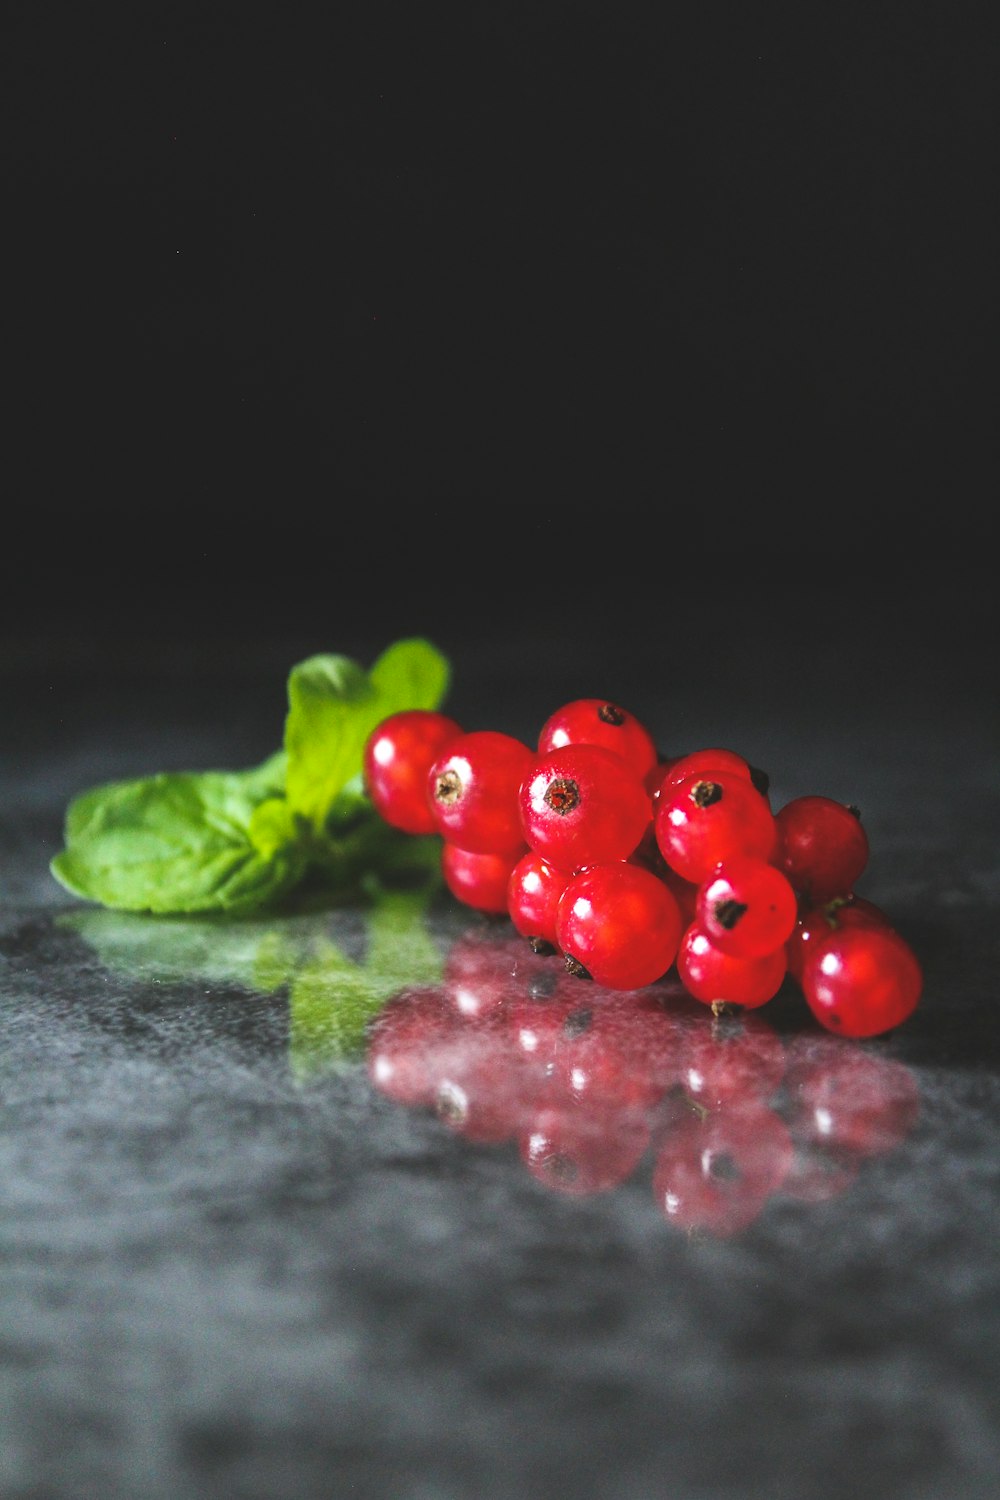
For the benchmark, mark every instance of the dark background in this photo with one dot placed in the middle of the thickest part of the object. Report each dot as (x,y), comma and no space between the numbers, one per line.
(335,323)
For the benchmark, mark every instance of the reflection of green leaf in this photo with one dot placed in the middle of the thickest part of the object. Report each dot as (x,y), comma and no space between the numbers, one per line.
(331,996)
(332,1000)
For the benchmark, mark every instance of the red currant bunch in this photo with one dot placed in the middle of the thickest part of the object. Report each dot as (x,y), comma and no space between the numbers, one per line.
(629,865)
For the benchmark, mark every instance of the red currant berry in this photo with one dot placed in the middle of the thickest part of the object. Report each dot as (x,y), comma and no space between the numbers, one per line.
(712,976)
(476,879)
(593,721)
(702,763)
(822,847)
(397,757)
(862,981)
(747,908)
(533,891)
(819,921)
(583,805)
(619,924)
(473,791)
(684,892)
(701,822)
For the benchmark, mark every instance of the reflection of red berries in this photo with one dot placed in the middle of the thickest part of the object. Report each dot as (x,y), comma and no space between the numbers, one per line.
(473,791)
(582,1151)
(733,1061)
(620,924)
(406,1042)
(583,805)
(486,969)
(849,1099)
(818,1172)
(862,981)
(716,1173)
(711,975)
(705,819)
(594,721)
(747,908)
(479,1092)
(478,880)
(606,1051)
(397,757)
(822,847)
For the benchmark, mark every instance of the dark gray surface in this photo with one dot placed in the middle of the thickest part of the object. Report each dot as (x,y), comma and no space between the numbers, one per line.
(229,1267)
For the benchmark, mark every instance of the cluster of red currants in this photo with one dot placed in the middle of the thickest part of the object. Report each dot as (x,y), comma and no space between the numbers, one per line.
(629,863)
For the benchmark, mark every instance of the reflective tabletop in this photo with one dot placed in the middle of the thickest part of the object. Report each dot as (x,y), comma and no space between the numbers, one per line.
(369,1198)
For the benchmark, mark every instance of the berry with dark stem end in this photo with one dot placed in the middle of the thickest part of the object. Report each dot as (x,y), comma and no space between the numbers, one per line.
(595,721)
(702,821)
(473,791)
(583,805)
(712,976)
(747,907)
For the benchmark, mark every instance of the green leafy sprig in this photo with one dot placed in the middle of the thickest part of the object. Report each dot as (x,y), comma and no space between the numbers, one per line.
(238,841)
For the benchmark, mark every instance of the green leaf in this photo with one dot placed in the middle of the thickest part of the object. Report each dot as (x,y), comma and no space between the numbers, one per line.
(182,842)
(333,706)
(411,674)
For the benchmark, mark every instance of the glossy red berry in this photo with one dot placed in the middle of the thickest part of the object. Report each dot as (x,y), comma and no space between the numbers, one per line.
(473,791)
(702,762)
(533,891)
(476,879)
(747,908)
(702,821)
(862,981)
(816,924)
(712,976)
(582,805)
(397,757)
(822,847)
(619,924)
(594,721)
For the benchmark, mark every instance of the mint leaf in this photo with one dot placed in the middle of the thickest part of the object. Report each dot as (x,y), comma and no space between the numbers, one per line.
(182,842)
(411,674)
(333,706)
